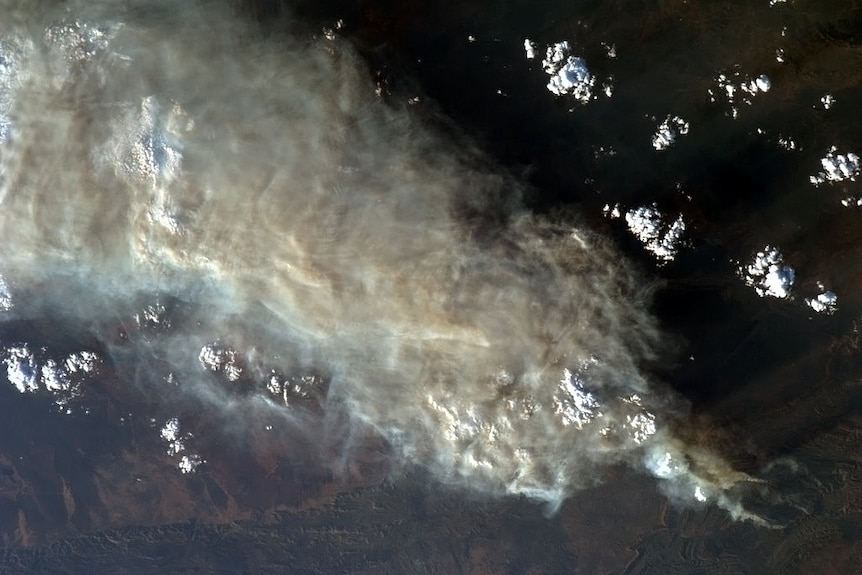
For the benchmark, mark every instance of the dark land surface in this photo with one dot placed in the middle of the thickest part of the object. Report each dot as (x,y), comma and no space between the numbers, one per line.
(771,380)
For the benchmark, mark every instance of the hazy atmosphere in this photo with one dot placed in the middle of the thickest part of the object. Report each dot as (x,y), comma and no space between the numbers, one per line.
(257,257)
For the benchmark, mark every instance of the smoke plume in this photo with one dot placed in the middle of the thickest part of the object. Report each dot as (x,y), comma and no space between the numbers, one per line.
(321,241)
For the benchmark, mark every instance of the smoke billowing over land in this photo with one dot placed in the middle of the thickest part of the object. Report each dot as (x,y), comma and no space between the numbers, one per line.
(322,241)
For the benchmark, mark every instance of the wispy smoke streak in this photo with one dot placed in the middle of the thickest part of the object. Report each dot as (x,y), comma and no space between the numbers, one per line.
(168,151)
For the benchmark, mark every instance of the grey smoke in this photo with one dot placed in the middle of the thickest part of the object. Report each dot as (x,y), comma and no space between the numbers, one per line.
(171,150)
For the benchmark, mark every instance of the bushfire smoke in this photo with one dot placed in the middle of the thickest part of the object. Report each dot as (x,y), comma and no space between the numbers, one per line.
(161,151)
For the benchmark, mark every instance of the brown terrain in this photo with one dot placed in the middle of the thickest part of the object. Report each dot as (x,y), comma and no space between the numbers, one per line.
(78,493)
(95,491)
